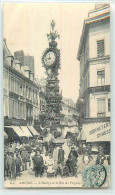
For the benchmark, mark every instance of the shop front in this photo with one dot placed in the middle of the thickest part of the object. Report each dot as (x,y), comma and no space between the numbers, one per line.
(14,133)
(95,134)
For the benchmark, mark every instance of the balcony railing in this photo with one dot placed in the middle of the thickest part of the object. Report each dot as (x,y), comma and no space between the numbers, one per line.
(97,89)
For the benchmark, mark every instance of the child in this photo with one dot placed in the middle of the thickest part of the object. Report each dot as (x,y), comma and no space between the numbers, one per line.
(50,166)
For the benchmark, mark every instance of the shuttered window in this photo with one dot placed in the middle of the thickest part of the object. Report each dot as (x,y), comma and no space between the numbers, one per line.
(100,48)
(101,109)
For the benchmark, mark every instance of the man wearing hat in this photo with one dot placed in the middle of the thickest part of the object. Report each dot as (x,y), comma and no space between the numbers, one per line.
(38,164)
(72,161)
(25,157)
(11,166)
(18,164)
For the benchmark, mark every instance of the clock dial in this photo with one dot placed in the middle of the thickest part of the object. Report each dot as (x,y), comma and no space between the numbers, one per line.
(49,58)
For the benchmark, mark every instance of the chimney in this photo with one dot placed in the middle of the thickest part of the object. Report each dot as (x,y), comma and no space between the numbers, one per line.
(31,76)
(17,65)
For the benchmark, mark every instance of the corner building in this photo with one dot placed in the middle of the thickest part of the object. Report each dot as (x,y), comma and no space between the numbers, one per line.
(94,95)
(21,96)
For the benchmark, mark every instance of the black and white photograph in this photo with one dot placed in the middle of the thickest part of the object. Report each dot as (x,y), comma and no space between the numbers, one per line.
(56,84)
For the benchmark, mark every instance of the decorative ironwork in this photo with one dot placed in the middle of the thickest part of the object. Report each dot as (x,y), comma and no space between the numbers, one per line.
(53,98)
(104,88)
(53,33)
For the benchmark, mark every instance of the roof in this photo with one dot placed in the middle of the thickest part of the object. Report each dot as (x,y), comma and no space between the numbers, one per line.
(6,50)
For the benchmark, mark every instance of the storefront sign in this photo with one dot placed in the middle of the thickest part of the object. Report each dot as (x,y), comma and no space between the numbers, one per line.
(93,132)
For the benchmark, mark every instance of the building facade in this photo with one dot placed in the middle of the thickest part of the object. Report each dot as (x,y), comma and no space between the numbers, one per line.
(19,55)
(94,95)
(69,114)
(21,93)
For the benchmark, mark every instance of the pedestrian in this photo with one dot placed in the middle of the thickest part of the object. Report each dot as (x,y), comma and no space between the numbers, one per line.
(11,166)
(101,156)
(18,164)
(38,164)
(31,160)
(73,152)
(72,161)
(18,145)
(61,159)
(66,149)
(6,164)
(50,166)
(86,157)
(25,157)
(55,157)
(61,155)
(73,164)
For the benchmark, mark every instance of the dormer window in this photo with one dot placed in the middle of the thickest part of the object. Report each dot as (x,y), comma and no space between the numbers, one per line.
(11,62)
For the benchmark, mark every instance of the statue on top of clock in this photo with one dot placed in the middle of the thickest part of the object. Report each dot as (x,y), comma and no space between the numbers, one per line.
(51,56)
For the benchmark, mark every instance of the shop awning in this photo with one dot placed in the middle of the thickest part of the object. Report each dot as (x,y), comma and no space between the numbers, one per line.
(26,131)
(18,131)
(38,128)
(32,130)
(14,130)
(5,135)
(96,132)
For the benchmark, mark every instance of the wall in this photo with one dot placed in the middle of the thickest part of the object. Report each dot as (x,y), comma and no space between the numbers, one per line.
(93,73)
(98,32)
(93,103)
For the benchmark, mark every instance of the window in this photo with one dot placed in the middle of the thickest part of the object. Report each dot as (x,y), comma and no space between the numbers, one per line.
(29,97)
(12,84)
(21,110)
(11,62)
(100,48)
(12,109)
(21,89)
(101,107)
(101,78)
(26,91)
(109,105)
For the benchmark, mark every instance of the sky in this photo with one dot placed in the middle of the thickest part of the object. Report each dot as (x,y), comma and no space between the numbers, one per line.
(25,27)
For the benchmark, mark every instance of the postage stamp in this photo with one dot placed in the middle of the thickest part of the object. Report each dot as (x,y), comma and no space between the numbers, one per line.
(96,176)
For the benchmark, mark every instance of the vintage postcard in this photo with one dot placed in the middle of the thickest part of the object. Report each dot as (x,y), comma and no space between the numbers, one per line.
(56,63)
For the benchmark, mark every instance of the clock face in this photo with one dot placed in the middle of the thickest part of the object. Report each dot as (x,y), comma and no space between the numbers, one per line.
(49,58)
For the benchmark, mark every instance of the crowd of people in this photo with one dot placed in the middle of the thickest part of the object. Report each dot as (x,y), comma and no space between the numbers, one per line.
(59,161)
(34,156)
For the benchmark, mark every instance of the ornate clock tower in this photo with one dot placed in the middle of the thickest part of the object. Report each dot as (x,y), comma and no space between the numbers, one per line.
(51,62)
